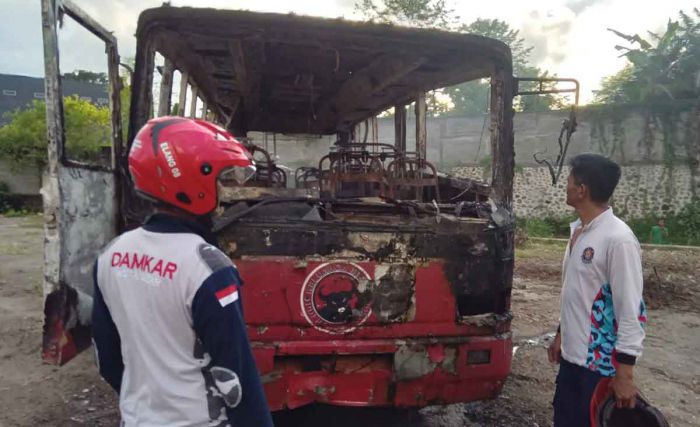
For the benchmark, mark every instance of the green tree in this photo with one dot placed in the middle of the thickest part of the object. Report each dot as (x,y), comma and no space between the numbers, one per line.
(414,13)
(500,30)
(663,77)
(616,89)
(87,76)
(661,68)
(23,139)
(125,101)
(472,97)
(469,97)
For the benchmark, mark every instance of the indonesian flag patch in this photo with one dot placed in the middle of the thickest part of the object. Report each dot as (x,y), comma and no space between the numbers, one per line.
(227,295)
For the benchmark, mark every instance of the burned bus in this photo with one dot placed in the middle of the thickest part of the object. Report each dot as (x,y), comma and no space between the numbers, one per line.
(373,279)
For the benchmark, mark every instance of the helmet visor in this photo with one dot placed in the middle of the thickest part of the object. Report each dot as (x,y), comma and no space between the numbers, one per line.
(236,175)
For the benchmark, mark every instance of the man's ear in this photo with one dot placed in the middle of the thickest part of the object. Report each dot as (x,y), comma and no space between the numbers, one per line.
(583,191)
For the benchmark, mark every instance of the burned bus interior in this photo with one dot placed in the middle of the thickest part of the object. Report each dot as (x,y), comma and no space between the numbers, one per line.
(285,74)
(262,74)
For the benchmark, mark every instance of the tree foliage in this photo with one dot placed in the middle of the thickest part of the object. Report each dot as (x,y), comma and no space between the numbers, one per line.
(469,97)
(662,67)
(663,77)
(23,140)
(472,97)
(500,30)
(87,76)
(414,13)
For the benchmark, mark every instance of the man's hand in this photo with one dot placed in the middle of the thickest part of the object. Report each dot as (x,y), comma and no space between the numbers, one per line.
(554,350)
(623,386)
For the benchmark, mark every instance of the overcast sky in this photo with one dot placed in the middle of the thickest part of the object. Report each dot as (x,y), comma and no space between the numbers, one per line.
(569,36)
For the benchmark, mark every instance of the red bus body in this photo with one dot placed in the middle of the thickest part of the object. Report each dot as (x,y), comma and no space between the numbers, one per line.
(421,362)
(377,282)
(431,327)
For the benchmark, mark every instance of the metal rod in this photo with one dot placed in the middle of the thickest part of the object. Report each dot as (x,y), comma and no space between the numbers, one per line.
(421,128)
(166,89)
(183,94)
(193,102)
(542,91)
(82,18)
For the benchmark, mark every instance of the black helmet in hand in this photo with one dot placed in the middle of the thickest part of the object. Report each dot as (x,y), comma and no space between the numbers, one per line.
(604,413)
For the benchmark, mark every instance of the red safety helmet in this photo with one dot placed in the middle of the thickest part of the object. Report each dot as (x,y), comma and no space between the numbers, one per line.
(604,413)
(178,161)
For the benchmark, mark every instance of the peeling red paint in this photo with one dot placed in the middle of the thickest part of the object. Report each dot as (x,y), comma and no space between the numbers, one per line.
(375,363)
(366,378)
(436,353)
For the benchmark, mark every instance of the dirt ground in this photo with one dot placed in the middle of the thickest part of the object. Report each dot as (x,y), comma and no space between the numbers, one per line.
(35,394)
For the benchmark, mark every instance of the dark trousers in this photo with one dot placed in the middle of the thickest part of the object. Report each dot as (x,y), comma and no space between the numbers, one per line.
(572,398)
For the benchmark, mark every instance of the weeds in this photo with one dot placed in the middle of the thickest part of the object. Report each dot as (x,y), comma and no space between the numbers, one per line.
(683,227)
(14,213)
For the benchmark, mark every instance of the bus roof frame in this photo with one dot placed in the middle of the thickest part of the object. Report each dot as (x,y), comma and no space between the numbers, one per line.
(281,73)
(293,74)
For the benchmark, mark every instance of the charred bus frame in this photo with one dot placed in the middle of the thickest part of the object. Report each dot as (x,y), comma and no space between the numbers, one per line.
(429,257)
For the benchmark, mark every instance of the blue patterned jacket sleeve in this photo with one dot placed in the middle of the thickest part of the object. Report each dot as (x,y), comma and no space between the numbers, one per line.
(626,283)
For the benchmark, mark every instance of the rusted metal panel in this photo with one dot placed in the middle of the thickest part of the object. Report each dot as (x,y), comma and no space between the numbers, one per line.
(79,203)
(86,223)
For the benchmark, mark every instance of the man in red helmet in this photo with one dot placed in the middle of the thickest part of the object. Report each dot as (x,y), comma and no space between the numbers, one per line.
(167,316)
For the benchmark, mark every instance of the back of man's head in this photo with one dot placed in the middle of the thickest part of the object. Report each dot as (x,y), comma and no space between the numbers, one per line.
(596,172)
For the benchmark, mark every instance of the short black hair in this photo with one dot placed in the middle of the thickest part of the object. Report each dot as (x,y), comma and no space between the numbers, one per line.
(596,172)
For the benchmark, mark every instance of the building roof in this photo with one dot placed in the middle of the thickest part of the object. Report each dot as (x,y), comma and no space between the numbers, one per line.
(16,92)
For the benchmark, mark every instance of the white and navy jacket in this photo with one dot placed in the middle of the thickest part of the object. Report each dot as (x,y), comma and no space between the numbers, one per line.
(169,332)
(602,310)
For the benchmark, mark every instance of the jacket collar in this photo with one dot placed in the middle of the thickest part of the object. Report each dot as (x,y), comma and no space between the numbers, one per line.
(602,217)
(166,223)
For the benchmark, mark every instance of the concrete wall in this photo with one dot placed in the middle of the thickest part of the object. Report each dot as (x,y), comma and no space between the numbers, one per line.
(649,184)
(643,190)
(24,181)
(463,141)
(461,145)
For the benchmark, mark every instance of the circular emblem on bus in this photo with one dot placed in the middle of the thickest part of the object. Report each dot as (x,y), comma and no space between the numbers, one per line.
(335,297)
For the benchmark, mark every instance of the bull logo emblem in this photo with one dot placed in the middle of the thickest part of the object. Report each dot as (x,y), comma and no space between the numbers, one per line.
(335,297)
(335,300)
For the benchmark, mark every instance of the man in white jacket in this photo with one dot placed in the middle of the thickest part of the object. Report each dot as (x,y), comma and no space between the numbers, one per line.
(602,311)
